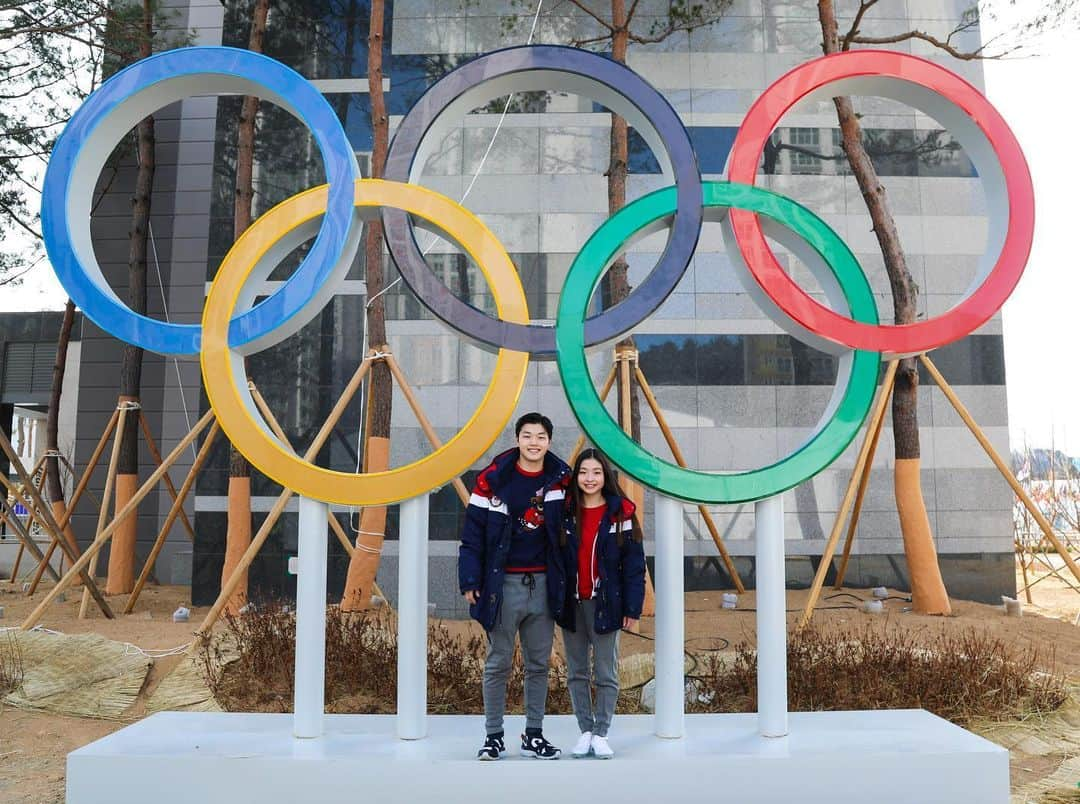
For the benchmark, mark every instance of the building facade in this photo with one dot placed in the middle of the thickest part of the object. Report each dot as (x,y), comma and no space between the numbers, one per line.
(737,392)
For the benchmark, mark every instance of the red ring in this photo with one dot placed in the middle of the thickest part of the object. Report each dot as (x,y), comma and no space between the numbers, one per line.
(890,339)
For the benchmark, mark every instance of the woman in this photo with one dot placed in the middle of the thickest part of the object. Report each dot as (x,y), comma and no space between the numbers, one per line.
(605,566)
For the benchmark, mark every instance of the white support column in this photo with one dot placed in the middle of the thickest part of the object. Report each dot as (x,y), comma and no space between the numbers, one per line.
(412,619)
(670,618)
(308,698)
(771,617)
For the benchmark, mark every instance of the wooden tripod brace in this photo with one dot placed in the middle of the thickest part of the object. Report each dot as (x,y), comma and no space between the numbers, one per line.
(113,431)
(50,525)
(31,519)
(626,364)
(378,354)
(861,474)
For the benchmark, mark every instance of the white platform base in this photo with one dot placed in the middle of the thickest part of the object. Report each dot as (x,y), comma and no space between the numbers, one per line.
(829,757)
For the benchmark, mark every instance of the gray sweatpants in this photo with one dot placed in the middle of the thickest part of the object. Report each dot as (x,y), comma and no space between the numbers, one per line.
(605,660)
(524,611)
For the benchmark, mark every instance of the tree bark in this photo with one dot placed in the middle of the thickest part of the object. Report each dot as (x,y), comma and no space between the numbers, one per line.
(238,528)
(365,560)
(928,590)
(616,282)
(54,487)
(121,578)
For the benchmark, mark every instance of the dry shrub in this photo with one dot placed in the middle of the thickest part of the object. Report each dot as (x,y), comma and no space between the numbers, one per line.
(250,668)
(956,676)
(11,663)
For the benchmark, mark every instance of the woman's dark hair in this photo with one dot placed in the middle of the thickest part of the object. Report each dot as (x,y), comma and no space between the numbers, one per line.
(574,497)
(533,418)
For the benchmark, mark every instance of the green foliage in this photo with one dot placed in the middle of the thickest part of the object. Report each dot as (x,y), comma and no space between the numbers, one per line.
(53,53)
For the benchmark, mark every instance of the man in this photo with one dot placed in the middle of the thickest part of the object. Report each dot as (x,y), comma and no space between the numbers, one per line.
(510,572)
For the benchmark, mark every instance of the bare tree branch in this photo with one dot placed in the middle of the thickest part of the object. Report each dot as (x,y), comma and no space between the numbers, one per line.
(864,6)
(944,45)
(603,23)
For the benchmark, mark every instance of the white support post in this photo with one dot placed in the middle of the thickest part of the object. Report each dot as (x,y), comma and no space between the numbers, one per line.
(771,617)
(670,619)
(412,619)
(308,699)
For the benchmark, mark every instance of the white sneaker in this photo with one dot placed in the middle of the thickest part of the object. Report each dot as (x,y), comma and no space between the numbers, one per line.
(583,746)
(600,747)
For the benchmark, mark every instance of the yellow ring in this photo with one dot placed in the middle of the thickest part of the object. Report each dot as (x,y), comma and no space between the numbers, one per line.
(235,409)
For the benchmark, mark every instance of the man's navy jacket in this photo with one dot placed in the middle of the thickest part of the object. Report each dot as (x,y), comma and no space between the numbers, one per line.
(485,539)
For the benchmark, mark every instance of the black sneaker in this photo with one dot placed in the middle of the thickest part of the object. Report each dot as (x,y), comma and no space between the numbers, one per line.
(494,748)
(535,746)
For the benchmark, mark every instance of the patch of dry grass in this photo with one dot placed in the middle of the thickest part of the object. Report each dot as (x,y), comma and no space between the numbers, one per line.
(251,669)
(11,663)
(956,676)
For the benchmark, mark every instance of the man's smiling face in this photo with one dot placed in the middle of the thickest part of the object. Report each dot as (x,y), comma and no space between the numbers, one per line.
(533,443)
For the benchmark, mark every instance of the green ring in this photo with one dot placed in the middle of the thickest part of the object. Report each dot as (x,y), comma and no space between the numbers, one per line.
(833,434)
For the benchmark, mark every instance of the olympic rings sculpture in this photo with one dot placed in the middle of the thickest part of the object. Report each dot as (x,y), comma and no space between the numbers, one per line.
(234,325)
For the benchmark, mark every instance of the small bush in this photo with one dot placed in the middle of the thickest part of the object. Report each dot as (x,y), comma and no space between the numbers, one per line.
(958,677)
(251,667)
(11,664)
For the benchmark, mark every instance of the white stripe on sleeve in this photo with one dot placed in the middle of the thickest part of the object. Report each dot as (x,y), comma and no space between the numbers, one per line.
(484,502)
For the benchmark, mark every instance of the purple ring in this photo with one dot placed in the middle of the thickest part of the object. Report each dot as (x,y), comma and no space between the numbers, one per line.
(531,68)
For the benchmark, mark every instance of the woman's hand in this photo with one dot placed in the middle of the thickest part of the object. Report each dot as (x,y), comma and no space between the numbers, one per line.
(630,624)
(472,596)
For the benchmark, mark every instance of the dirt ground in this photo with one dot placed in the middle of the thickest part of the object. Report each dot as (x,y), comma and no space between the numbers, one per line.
(33,745)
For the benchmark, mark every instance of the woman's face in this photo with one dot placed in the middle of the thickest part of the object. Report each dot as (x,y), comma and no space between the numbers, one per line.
(590,477)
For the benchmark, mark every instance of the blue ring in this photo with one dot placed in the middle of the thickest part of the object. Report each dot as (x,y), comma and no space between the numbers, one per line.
(140,90)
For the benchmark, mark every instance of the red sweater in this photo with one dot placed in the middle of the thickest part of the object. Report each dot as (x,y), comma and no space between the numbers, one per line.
(588,571)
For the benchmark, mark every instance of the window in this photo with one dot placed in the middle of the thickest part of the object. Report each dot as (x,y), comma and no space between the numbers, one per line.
(806,147)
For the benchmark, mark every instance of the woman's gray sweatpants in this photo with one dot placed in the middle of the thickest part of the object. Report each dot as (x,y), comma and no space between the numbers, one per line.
(524,611)
(605,654)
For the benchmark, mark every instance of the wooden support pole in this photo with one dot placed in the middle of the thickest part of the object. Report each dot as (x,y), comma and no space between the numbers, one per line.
(275,426)
(1053,573)
(177,505)
(26,543)
(425,424)
(609,383)
(1024,570)
(103,513)
(18,560)
(5,445)
(335,526)
(676,453)
(106,534)
(84,481)
(80,488)
(624,357)
(260,537)
(26,539)
(876,415)
(152,445)
(1002,467)
(864,482)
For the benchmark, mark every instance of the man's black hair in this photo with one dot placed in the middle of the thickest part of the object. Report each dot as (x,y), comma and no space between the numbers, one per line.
(533,418)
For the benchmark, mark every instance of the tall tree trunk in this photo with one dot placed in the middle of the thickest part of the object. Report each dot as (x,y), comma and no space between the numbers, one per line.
(238,528)
(365,560)
(121,578)
(616,283)
(54,488)
(928,589)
